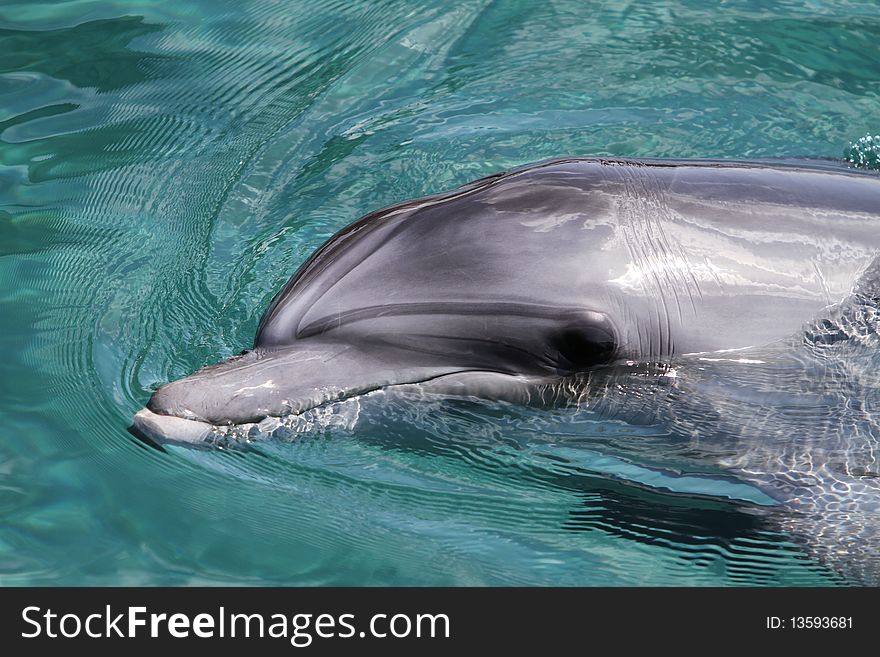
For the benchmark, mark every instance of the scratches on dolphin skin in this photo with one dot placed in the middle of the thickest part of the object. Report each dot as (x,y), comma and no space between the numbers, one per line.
(268,385)
(714,272)
(746,361)
(663,273)
(821,277)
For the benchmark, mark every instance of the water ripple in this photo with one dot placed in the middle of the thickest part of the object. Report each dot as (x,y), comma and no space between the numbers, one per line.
(164,167)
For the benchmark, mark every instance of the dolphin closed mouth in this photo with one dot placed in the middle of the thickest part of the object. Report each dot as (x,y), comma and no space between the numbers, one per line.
(171,429)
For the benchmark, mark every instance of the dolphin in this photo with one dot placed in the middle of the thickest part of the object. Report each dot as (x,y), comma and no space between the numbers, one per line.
(523,285)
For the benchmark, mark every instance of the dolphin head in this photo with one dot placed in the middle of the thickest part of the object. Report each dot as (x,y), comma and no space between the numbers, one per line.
(475,286)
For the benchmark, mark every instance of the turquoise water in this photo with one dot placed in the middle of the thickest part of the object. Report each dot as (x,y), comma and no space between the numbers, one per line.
(166,166)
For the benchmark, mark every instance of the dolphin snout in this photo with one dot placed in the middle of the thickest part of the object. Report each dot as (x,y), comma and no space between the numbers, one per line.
(170,429)
(175,398)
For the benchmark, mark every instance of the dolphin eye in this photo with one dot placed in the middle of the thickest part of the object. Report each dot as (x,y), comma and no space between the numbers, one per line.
(580,346)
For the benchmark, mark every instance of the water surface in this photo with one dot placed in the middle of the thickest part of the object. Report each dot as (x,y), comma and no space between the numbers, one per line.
(166,166)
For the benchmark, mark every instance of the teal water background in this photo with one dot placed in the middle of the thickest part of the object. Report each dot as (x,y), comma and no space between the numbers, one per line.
(166,166)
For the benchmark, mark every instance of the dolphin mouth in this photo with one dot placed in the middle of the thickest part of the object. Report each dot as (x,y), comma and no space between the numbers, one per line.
(164,428)
(170,429)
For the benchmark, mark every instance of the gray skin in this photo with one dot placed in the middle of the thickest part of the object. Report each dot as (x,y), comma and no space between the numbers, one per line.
(524,278)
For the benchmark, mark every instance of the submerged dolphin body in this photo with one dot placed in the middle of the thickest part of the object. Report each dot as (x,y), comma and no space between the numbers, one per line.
(518,284)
